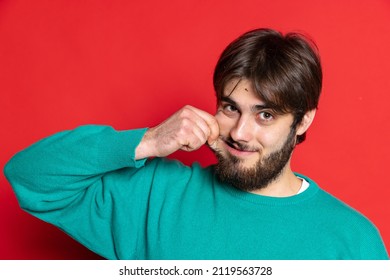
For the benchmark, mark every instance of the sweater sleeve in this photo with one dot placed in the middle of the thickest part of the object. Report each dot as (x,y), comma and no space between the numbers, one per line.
(71,179)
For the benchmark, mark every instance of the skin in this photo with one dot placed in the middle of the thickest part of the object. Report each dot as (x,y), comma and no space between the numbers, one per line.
(241,116)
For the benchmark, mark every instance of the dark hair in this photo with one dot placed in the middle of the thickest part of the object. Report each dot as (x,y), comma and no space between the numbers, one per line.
(285,70)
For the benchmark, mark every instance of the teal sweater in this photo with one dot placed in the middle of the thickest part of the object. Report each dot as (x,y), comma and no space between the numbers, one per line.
(87,183)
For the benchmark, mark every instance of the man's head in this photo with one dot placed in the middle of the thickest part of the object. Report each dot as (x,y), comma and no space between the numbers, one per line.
(268,86)
(285,71)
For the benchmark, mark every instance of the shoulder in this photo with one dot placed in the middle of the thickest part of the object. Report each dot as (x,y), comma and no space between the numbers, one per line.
(341,210)
(346,223)
(346,220)
(330,204)
(328,207)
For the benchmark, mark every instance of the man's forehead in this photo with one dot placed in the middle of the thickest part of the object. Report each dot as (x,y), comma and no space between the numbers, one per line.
(235,87)
(237,83)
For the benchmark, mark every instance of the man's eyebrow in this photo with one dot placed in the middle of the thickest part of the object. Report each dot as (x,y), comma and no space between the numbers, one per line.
(260,107)
(255,108)
(229,100)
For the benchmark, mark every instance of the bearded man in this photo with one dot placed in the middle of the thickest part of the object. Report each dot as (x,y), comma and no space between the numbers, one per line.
(117,194)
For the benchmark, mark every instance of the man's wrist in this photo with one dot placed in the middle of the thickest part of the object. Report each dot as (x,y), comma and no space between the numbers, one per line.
(146,147)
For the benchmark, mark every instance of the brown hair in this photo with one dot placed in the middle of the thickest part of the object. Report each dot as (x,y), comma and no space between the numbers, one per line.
(285,70)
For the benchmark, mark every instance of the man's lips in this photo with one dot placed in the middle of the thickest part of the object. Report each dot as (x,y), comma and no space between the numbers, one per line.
(234,146)
(238,149)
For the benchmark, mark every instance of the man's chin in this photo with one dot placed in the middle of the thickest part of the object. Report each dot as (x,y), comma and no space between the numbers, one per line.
(241,163)
(247,164)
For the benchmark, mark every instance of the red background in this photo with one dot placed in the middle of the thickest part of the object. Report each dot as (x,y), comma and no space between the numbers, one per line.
(133,63)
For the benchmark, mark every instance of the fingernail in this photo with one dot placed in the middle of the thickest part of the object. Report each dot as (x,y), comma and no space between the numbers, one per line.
(213,145)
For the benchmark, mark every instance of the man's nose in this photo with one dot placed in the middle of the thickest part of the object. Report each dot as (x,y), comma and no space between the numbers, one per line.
(243,130)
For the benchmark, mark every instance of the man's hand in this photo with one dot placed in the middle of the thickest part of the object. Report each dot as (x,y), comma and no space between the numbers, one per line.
(188,129)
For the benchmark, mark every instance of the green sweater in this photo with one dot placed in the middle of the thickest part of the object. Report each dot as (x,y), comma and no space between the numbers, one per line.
(87,183)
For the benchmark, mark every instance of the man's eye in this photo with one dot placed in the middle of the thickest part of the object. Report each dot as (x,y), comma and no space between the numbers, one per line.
(266,116)
(230,108)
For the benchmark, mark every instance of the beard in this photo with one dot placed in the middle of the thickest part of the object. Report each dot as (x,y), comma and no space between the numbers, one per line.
(265,170)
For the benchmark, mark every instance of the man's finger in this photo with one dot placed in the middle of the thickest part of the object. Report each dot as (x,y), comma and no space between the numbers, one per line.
(211,122)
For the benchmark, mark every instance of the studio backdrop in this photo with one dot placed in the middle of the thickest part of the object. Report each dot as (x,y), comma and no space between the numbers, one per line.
(131,64)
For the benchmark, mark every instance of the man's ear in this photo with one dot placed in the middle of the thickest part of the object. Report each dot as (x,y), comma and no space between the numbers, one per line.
(306,121)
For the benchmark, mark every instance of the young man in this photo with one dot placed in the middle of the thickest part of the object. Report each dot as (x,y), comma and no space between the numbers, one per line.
(114,191)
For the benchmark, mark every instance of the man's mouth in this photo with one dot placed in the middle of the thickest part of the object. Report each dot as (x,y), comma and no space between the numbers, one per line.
(234,146)
(240,147)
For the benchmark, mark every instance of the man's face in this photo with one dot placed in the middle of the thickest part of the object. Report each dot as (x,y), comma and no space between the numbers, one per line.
(255,143)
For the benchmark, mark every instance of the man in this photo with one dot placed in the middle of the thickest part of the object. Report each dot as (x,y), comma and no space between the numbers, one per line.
(114,191)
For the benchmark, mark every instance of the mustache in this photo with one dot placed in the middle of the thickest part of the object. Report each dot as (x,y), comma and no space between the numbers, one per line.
(238,145)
